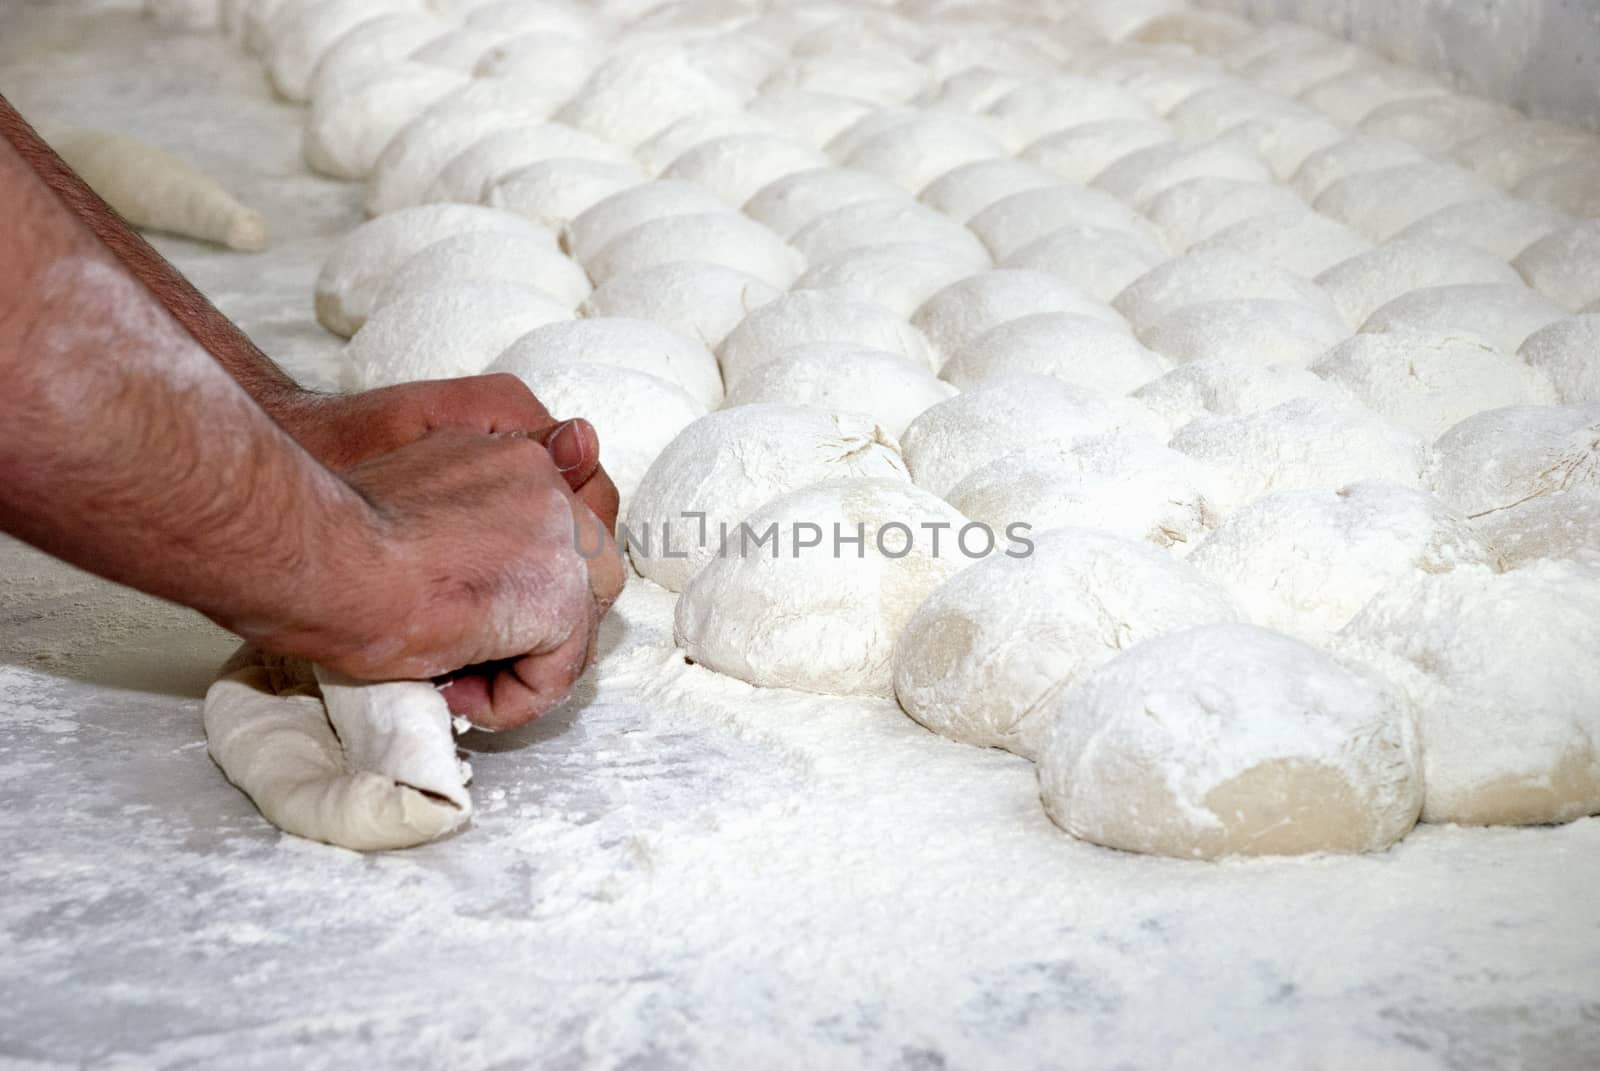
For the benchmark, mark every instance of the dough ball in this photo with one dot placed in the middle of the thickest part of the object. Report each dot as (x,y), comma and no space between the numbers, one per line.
(1564,526)
(1384,202)
(624,343)
(1018,220)
(1079,153)
(1427,381)
(1355,155)
(658,153)
(1502,671)
(702,301)
(728,463)
(638,92)
(1500,226)
(363,52)
(1100,262)
(1569,187)
(1567,352)
(1231,740)
(1206,114)
(867,223)
(1085,352)
(477,169)
(1370,280)
(449,331)
(789,203)
(845,378)
(596,226)
(1139,176)
(1210,32)
(635,414)
(1223,387)
(1305,562)
(1035,109)
(878,75)
(965,190)
(298,39)
(348,127)
(806,316)
(899,276)
(1284,139)
(1565,266)
(1503,314)
(502,256)
(1356,94)
(362,262)
(977,426)
(1126,484)
(821,619)
(1246,331)
(551,65)
(962,311)
(814,117)
(1501,457)
(1310,443)
(1217,275)
(913,154)
(736,167)
(980,659)
(556,191)
(1508,153)
(1193,210)
(725,238)
(1438,122)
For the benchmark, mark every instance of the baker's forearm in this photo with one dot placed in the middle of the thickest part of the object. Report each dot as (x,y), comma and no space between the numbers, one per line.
(216,334)
(125,449)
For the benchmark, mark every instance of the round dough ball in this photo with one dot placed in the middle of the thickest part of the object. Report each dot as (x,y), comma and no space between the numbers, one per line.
(913,154)
(1567,352)
(980,425)
(1355,155)
(550,65)
(1305,562)
(363,52)
(502,256)
(1502,670)
(1370,280)
(814,117)
(1231,740)
(1503,315)
(1308,443)
(1565,265)
(981,657)
(964,191)
(1141,175)
(1356,94)
(1510,152)
(875,74)
(477,169)
(1501,457)
(1085,352)
(349,126)
(1216,275)
(725,238)
(635,414)
(1563,526)
(1383,202)
(845,378)
(789,203)
(1427,381)
(362,262)
(1193,210)
(1100,262)
(452,330)
(737,166)
(1035,109)
(1570,186)
(962,311)
(1016,221)
(1127,484)
(1438,122)
(637,93)
(657,154)
(728,463)
(1301,242)
(1284,139)
(300,37)
(1223,387)
(805,316)
(1246,331)
(868,223)
(596,226)
(899,276)
(1079,153)
(1500,226)
(821,619)
(624,343)
(556,191)
(702,301)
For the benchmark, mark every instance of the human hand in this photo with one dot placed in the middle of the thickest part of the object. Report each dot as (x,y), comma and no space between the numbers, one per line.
(474,563)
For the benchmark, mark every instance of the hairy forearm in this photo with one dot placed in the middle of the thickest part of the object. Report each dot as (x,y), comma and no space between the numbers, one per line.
(125,449)
(268,384)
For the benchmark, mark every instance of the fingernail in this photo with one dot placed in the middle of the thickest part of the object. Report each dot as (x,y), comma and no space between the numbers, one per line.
(566,450)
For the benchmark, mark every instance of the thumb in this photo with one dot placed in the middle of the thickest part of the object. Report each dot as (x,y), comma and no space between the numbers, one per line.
(575,448)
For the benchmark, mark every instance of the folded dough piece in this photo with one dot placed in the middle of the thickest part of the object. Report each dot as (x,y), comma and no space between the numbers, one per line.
(364,766)
(152,189)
